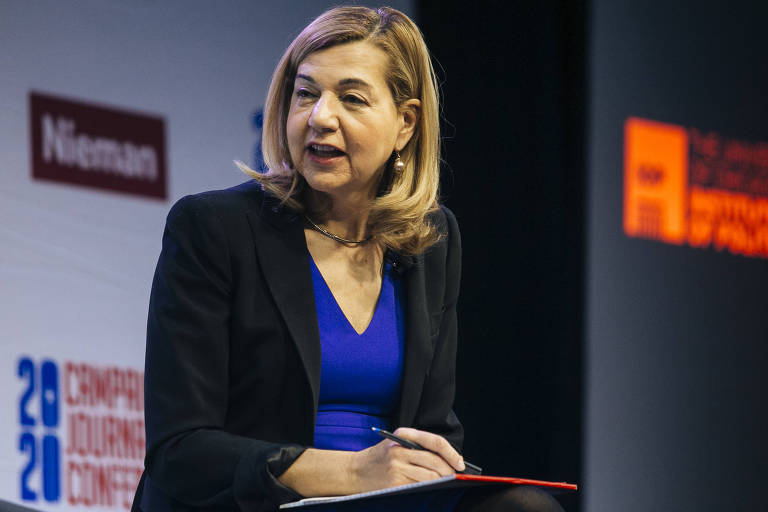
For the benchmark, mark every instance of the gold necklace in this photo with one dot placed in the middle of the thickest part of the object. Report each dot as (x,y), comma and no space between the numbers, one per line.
(336,237)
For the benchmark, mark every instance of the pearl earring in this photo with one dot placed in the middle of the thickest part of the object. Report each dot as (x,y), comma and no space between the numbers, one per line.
(399,165)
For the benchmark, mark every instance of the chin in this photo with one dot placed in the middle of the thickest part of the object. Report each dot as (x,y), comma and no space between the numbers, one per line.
(324,182)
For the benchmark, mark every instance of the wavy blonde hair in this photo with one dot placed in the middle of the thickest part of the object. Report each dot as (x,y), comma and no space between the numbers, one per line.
(399,214)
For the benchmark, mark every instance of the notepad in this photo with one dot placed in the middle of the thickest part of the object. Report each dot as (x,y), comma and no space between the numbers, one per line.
(456,481)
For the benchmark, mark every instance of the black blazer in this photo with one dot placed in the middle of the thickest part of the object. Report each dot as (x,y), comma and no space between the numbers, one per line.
(233,351)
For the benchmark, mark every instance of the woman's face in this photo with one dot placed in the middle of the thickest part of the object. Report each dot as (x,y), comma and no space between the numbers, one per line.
(343,125)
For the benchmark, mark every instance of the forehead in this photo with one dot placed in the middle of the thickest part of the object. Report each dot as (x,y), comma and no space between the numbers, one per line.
(357,60)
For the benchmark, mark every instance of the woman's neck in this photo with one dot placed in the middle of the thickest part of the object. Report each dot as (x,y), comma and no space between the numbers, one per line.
(342,217)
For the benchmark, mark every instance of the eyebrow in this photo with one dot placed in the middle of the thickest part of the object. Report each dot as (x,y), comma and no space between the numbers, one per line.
(344,82)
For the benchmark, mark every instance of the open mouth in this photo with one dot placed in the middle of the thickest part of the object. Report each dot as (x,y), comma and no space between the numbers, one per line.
(324,151)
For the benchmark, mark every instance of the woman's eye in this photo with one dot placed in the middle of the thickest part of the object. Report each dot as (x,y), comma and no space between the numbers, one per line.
(303,93)
(351,98)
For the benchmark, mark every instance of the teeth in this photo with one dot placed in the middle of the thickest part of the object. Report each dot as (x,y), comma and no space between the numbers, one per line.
(324,148)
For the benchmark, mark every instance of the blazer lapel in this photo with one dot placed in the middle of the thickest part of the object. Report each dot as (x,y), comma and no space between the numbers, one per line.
(282,252)
(418,348)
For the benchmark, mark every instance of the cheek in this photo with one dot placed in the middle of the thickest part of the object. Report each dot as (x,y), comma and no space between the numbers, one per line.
(294,134)
(291,127)
(382,143)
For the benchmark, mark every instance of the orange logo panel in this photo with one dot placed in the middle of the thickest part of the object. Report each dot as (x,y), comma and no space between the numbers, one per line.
(655,180)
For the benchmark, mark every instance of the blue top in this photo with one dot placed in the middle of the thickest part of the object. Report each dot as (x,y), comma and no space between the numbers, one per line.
(360,374)
(360,383)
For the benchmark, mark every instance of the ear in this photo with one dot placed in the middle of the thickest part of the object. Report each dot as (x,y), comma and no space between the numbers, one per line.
(409,113)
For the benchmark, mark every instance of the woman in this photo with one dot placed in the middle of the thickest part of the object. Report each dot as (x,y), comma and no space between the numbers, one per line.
(290,314)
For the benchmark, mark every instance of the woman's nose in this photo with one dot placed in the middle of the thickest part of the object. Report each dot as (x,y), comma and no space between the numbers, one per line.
(323,117)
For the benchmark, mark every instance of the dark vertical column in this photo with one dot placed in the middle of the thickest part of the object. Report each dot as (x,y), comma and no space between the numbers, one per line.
(514,135)
(677,329)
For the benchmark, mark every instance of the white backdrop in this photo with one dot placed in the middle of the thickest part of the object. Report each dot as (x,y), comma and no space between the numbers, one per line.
(76,263)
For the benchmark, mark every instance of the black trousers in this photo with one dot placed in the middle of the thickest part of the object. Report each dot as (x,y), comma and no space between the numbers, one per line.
(508,499)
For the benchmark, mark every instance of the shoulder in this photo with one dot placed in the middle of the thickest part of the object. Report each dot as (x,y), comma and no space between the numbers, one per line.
(445,222)
(235,217)
(446,253)
(232,207)
(451,225)
(245,197)
(215,218)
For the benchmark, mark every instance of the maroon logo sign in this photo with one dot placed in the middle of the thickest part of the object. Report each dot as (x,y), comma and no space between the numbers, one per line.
(95,146)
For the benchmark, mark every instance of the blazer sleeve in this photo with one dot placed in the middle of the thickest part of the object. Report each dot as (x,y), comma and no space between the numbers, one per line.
(435,413)
(190,456)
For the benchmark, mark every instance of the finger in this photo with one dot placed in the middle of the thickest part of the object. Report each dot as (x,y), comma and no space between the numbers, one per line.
(429,460)
(418,473)
(433,443)
(422,458)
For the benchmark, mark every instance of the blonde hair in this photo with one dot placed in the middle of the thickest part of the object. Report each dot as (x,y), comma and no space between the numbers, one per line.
(399,214)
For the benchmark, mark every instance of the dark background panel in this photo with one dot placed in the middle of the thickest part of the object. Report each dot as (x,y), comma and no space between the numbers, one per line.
(513,91)
(676,338)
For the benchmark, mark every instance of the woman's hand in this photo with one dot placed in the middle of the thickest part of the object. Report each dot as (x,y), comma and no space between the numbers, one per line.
(387,464)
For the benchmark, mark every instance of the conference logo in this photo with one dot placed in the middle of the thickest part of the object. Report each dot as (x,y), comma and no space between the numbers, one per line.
(81,433)
(686,187)
(96,146)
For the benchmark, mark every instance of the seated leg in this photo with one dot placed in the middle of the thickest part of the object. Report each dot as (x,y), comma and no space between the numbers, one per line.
(509,499)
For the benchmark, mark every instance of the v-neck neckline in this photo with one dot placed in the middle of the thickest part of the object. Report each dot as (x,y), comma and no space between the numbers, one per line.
(336,302)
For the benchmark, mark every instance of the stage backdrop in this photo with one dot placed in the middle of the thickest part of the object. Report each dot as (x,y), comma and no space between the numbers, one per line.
(677,330)
(109,112)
